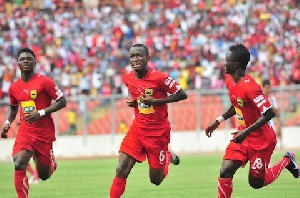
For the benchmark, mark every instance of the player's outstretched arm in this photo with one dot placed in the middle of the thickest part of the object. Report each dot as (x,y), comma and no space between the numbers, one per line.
(57,105)
(180,95)
(261,121)
(213,125)
(149,100)
(13,110)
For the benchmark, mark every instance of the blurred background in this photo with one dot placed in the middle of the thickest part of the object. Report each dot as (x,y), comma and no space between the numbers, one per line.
(83,45)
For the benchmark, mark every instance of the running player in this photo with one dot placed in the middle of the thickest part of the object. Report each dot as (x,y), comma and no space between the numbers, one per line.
(33,94)
(255,139)
(149,134)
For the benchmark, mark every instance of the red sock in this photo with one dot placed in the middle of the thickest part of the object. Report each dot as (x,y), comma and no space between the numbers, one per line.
(118,187)
(224,187)
(21,183)
(274,171)
(167,165)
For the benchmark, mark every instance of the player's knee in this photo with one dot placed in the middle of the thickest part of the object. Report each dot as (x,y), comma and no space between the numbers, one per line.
(256,185)
(44,176)
(20,165)
(122,171)
(226,173)
(156,181)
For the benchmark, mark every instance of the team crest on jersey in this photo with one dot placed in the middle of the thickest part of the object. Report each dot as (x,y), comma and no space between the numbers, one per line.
(33,94)
(149,92)
(240,102)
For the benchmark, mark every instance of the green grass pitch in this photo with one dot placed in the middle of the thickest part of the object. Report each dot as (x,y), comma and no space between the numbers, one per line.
(195,177)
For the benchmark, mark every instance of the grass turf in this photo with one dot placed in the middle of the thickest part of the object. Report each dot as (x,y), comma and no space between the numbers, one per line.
(195,177)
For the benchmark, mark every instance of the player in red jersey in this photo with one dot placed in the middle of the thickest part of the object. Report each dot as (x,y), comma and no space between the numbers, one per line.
(149,134)
(255,139)
(34,95)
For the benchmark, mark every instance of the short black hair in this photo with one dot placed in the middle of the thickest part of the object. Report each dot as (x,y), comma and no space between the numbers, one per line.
(266,82)
(25,49)
(240,54)
(143,46)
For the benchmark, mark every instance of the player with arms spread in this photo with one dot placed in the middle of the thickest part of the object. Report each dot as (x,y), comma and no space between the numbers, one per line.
(255,139)
(149,134)
(34,94)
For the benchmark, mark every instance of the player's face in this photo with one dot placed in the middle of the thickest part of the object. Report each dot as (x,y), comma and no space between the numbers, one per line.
(230,65)
(26,62)
(138,58)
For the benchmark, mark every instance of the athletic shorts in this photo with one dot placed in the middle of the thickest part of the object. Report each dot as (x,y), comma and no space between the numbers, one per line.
(153,147)
(259,159)
(42,150)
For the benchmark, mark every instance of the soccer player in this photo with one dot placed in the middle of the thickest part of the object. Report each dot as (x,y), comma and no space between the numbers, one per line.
(255,139)
(149,134)
(275,122)
(37,96)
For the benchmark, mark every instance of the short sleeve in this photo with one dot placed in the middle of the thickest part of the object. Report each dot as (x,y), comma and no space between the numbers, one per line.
(255,94)
(169,84)
(52,89)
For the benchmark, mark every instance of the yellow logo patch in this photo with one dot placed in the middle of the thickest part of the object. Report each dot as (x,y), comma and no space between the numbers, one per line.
(145,109)
(240,117)
(28,106)
(33,94)
(240,102)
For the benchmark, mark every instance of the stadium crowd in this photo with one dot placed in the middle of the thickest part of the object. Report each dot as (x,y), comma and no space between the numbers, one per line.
(85,49)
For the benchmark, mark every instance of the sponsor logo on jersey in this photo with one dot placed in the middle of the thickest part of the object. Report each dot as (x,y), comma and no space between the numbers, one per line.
(28,106)
(145,109)
(240,117)
(33,94)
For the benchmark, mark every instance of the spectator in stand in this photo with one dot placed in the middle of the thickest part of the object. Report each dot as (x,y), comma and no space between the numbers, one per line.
(183,35)
(296,70)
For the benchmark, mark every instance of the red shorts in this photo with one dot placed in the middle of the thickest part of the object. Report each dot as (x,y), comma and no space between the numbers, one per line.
(259,159)
(42,150)
(153,147)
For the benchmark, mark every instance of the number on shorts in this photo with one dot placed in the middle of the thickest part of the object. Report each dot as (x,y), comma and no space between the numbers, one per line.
(257,164)
(162,156)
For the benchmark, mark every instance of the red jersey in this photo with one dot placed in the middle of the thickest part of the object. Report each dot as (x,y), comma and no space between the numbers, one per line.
(249,102)
(31,96)
(152,119)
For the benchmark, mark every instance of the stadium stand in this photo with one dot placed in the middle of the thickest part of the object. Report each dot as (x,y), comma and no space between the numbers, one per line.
(83,46)
(70,46)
